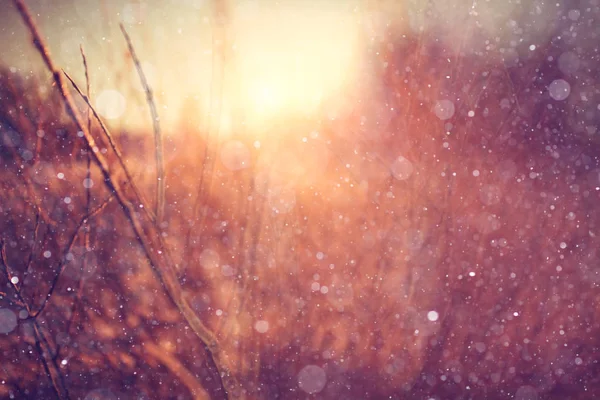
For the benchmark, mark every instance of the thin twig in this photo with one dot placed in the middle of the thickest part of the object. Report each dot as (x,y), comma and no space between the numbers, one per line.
(52,370)
(158,142)
(6,270)
(36,230)
(68,249)
(88,176)
(114,147)
(88,196)
(208,161)
(143,226)
(74,307)
(5,296)
(31,197)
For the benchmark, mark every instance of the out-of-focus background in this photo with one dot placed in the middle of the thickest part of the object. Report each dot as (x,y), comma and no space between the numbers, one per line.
(364,200)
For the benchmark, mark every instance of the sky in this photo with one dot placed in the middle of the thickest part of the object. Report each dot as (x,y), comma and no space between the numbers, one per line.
(240,64)
(262,57)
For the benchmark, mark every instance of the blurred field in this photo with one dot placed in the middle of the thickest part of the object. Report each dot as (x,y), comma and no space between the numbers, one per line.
(433,238)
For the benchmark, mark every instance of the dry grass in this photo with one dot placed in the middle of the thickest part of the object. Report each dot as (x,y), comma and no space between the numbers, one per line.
(158,140)
(325,252)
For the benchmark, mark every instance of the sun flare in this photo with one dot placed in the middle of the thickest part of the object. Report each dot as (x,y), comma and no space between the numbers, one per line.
(332,199)
(286,62)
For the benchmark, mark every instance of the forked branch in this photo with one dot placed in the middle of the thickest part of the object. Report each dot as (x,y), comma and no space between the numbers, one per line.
(65,259)
(41,342)
(114,147)
(143,226)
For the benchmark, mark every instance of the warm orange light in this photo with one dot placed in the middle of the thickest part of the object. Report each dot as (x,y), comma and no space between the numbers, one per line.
(286,61)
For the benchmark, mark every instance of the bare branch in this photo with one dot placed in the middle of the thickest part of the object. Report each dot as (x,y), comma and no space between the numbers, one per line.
(35,239)
(158,143)
(68,249)
(88,197)
(50,366)
(8,275)
(41,343)
(115,148)
(145,231)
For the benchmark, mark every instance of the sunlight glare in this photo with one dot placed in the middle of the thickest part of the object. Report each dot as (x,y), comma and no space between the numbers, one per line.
(288,60)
